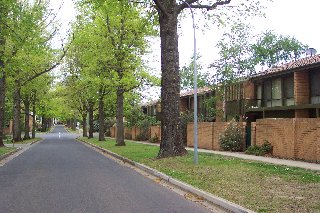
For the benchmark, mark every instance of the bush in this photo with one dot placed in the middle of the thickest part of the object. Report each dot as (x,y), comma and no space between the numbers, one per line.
(265,148)
(232,139)
(154,139)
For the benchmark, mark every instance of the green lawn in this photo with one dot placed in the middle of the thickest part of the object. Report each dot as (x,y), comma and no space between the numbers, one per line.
(5,150)
(258,186)
(24,141)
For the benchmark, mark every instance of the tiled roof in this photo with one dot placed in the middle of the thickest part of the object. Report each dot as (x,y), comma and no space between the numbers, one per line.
(201,90)
(300,63)
(150,103)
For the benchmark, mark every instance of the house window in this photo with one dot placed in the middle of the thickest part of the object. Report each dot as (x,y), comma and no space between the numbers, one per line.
(272,93)
(276,92)
(288,91)
(259,95)
(267,93)
(315,87)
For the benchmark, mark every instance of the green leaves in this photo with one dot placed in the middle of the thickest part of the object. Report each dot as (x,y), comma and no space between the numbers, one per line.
(240,54)
(272,49)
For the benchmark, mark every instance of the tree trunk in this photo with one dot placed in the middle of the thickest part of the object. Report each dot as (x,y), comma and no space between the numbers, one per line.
(119,115)
(2,102)
(44,124)
(84,125)
(101,118)
(34,116)
(16,113)
(26,102)
(171,140)
(73,122)
(90,111)
(34,121)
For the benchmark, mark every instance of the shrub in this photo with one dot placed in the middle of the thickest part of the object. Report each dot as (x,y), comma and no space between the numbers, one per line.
(232,139)
(265,148)
(154,139)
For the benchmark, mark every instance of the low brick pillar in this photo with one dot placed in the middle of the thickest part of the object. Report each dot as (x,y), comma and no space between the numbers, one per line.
(155,131)
(128,133)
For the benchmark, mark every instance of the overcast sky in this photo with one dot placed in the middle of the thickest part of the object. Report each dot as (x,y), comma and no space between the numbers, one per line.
(287,17)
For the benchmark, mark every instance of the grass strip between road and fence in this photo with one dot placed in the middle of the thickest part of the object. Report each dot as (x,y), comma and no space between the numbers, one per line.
(6,150)
(257,186)
(28,141)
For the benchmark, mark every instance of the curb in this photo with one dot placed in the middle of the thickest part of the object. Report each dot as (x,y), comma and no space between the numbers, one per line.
(186,187)
(9,153)
(17,149)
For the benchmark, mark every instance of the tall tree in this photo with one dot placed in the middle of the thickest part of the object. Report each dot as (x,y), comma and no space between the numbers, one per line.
(168,12)
(240,54)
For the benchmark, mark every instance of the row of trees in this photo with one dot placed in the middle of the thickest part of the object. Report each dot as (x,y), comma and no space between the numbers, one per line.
(105,69)
(26,57)
(106,54)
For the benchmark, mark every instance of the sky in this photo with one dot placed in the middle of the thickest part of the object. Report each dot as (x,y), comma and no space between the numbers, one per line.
(287,17)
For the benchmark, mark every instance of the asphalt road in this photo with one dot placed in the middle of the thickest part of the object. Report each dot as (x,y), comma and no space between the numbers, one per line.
(62,175)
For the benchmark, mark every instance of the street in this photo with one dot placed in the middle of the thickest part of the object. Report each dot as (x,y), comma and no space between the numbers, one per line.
(60,174)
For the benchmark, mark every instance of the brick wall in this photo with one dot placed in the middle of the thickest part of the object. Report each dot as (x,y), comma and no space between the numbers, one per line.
(248,88)
(301,87)
(127,133)
(208,134)
(279,132)
(155,131)
(297,138)
(135,132)
(301,92)
(113,131)
(205,135)
(307,139)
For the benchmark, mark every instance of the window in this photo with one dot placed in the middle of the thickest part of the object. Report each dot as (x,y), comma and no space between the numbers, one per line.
(267,93)
(259,95)
(288,91)
(272,93)
(315,87)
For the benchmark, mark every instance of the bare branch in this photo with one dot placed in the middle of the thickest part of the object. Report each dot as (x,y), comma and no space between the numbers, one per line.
(199,6)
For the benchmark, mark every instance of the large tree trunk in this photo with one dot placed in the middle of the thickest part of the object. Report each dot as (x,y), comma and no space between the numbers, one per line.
(84,125)
(90,112)
(101,118)
(16,113)
(171,140)
(2,102)
(34,116)
(119,116)
(26,102)
(4,10)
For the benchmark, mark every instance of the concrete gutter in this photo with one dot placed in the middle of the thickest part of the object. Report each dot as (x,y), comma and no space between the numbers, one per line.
(10,153)
(186,187)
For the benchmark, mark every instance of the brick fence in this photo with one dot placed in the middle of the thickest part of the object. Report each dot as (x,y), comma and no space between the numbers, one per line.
(297,138)
(208,134)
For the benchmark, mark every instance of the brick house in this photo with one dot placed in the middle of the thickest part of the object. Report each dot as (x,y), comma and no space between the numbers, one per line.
(153,108)
(291,90)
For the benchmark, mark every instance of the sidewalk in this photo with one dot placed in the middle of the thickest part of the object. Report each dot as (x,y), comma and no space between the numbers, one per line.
(277,161)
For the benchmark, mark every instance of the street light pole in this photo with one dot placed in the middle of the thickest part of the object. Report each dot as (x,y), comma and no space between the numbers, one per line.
(195,93)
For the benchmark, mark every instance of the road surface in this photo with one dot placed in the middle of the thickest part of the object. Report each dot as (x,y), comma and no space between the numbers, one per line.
(60,174)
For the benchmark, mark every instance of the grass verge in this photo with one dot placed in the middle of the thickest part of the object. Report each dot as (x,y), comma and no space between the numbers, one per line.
(5,150)
(32,140)
(258,186)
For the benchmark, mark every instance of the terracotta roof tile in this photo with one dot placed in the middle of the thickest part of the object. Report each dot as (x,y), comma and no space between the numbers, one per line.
(191,92)
(291,65)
